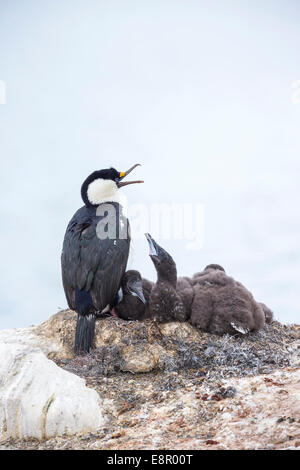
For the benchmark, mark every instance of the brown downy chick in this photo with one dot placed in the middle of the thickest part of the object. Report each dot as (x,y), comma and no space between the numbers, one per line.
(221,305)
(165,304)
(133,296)
(185,289)
(268,313)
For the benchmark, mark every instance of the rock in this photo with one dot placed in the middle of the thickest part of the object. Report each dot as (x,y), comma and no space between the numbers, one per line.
(39,399)
(137,359)
(146,346)
(164,385)
(31,337)
(255,417)
(136,347)
(145,414)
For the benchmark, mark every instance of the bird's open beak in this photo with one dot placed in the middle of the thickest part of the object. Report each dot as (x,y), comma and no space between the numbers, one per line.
(152,245)
(120,183)
(136,289)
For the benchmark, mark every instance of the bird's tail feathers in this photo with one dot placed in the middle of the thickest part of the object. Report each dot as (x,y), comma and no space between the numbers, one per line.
(85,330)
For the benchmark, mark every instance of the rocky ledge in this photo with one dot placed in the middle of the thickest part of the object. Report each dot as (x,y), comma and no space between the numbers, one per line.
(149,386)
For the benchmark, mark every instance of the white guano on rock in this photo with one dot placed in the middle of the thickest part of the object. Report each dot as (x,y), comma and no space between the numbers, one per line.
(39,399)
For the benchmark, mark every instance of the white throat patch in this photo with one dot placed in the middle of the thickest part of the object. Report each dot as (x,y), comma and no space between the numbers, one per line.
(101,190)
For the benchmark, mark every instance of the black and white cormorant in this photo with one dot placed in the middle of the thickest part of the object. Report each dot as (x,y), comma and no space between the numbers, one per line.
(95,252)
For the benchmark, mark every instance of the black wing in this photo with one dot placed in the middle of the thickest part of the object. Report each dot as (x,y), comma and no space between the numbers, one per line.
(90,263)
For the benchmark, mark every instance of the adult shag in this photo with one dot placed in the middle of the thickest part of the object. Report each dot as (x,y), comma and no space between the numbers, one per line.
(95,252)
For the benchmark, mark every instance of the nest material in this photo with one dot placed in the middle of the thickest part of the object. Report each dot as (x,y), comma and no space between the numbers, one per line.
(148,346)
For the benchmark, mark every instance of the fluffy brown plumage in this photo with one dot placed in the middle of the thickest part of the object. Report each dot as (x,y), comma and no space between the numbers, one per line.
(185,289)
(165,304)
(268,313)
(222,305)
(211,300)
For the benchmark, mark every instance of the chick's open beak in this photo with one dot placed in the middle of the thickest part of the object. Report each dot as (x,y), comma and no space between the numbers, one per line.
(120,183)
(153,251)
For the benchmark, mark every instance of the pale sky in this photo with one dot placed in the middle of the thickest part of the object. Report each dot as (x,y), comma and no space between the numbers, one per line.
(200,93)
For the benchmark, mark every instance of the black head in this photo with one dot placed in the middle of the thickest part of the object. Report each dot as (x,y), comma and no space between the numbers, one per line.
(163,262)
(102,185)
(216,267)
(106,174)
(132,284)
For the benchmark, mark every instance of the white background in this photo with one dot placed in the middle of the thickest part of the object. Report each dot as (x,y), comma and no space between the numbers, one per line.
(200,93)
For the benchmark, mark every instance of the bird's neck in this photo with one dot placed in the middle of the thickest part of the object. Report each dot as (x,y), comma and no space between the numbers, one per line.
(168,274)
